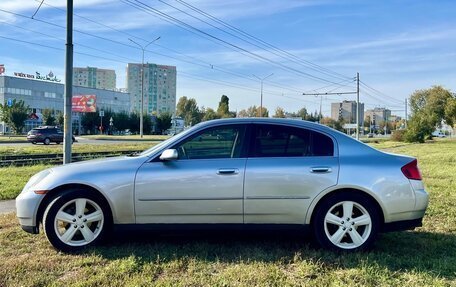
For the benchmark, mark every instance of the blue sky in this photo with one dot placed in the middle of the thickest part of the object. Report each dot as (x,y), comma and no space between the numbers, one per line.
(396,46)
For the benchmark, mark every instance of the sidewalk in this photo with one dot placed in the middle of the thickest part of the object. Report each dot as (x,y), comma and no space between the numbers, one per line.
(7,206)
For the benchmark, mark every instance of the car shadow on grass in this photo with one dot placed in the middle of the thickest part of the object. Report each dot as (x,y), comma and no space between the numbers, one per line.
(422,252)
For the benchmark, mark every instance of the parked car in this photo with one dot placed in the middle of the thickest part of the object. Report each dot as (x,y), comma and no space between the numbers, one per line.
(269,172)
(46,135)
(438,134)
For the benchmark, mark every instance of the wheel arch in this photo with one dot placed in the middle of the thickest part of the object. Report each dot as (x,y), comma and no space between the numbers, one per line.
(51,194)
(321,198)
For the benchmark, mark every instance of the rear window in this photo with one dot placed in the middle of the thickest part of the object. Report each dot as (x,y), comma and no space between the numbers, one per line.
(281,141)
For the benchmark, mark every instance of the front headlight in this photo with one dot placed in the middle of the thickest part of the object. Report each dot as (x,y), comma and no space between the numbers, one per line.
(34,180)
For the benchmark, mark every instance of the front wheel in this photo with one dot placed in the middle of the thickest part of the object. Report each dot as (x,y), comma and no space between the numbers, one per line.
(346,221)
(76,219)
(47,141)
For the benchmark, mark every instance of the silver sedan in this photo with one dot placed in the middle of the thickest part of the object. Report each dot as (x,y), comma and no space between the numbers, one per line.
(243,173)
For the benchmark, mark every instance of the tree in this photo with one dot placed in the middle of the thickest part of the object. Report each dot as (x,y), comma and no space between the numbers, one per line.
(429,107)
(367,122)
(147,124)
(209,114)
(48,117)
(15,115)
(60,119)
(302,113)
(188,110)
(89,121)
(337,125)
(253,111)
(450,111)
(163,122)
(223,109)
(279,113)
(120,121)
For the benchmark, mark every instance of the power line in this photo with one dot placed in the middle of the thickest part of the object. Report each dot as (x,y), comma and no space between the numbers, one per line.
(184,73)
(247,35)
(380,93)
(205,65)
(261,46)
(152,11)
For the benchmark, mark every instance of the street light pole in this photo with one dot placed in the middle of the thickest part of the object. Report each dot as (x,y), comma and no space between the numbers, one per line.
(261,99)
(67,125)
(143,48)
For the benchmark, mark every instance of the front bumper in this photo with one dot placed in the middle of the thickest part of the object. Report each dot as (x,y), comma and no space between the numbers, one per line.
(27,204)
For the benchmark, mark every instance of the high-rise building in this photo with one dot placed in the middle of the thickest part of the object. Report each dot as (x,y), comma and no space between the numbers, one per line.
(346,111)
(378,115)
(92,77)
(159,88)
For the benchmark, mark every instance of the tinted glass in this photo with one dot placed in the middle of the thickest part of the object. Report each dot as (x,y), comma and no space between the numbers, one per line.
(280,141)
(220,142)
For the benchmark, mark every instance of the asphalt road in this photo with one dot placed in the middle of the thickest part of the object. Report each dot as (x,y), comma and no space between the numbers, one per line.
(7,206)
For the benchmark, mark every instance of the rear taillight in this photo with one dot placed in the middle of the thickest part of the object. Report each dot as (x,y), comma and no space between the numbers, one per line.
(411,170)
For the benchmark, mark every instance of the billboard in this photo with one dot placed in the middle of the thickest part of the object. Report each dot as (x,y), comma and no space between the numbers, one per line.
(84,103)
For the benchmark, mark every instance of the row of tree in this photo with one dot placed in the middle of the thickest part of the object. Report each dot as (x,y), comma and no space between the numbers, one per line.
(187,108)
(430,108)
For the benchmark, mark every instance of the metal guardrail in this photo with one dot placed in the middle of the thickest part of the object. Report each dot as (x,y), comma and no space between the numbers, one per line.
(54,158)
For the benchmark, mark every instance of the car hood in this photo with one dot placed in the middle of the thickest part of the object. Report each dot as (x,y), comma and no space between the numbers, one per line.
(98,173)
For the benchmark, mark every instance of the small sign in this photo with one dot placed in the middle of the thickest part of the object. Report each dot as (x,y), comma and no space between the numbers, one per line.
(101,113)
(349,126)
(9,102)
(2,69)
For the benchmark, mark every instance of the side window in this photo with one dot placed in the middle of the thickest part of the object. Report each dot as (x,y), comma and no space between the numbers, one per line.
(218,142)
(280,141)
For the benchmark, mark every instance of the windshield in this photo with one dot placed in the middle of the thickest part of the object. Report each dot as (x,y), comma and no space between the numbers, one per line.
(157,147)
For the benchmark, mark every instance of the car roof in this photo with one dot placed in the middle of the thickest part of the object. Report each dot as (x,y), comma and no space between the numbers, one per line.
(284,121)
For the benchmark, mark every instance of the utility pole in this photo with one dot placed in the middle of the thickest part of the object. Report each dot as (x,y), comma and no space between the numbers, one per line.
(405,120)
(261,99)
(67,126)
(141,119)
(357,106)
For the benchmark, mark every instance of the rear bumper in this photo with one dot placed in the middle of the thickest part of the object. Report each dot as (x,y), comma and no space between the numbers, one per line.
(30,229)
(402,225)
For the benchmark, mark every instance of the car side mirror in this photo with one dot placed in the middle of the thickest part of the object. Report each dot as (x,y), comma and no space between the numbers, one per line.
(169,154)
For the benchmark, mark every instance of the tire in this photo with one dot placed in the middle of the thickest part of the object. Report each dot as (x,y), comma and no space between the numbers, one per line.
(47,141)
(336,228)
(57,142)
(33,142)
(76,219)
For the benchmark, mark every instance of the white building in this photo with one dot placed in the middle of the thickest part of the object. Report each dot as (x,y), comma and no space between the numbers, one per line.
(92,77)
(159,88)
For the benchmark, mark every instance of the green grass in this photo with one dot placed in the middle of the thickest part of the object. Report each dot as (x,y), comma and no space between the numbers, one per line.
(13,138)
(13,179)
(128,138)
(424,257)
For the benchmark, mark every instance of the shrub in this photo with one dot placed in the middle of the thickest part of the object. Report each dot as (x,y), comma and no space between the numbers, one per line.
(398,135)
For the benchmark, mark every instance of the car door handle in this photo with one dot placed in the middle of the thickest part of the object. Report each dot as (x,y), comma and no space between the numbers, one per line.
(320,169)
(228,171)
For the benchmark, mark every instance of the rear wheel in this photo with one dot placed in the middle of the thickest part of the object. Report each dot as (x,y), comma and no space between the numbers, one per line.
(76,219)
(346,221)
(47,141)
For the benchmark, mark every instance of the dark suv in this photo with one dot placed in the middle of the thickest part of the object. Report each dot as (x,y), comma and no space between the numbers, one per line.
(46,135)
